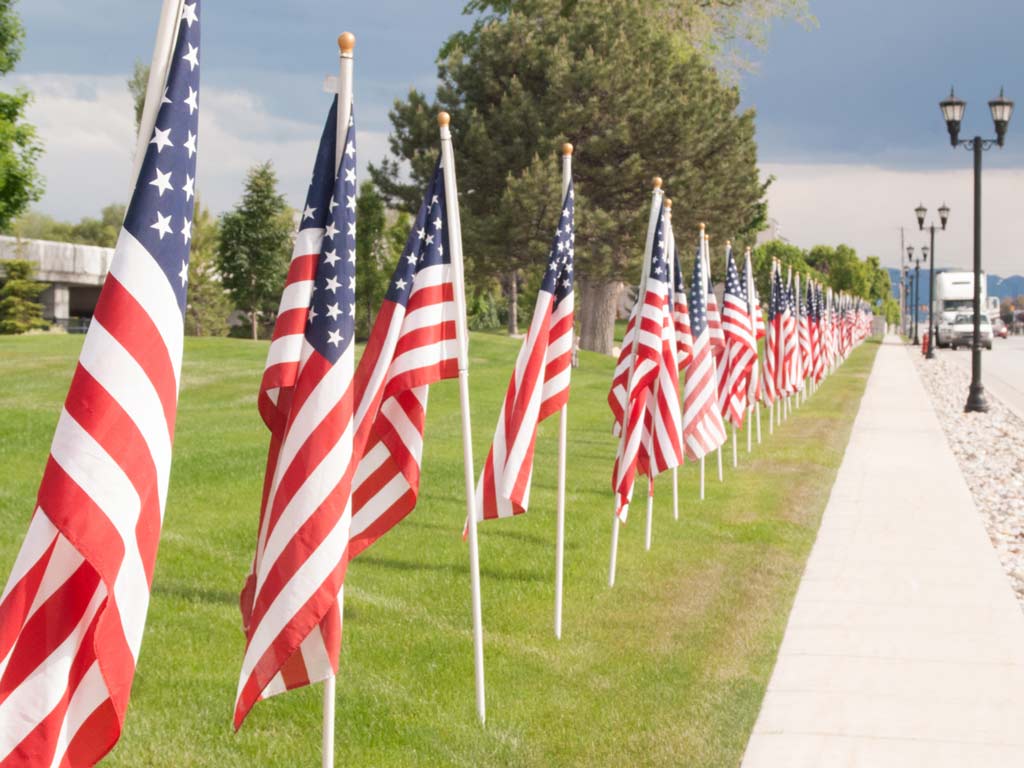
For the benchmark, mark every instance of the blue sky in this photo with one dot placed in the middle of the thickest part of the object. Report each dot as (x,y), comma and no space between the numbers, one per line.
(848,122)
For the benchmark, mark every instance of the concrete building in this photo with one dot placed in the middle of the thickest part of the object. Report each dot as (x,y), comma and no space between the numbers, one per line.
(75,274)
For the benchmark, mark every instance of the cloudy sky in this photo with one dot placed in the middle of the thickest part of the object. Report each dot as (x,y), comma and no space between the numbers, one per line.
(848,122)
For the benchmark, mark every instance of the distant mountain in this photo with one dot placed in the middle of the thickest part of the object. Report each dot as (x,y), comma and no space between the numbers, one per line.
(1003,287)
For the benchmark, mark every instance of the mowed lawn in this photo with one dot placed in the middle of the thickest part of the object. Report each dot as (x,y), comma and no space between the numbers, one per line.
(666,669)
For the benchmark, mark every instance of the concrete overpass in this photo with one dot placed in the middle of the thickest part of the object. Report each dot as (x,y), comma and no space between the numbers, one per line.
(75,274)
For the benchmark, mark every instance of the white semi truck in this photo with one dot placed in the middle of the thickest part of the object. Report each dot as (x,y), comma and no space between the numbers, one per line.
(954,295)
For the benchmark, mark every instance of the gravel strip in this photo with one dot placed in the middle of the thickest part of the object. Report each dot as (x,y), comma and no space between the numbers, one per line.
(989,449)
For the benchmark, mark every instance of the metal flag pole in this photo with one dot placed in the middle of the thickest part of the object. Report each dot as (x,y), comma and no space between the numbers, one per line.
(734,459)
(346,45)
(702,478)
(650,513)
(563,418)
(748,274)
(670,240)
(798,355)
(652,225)
(451,193)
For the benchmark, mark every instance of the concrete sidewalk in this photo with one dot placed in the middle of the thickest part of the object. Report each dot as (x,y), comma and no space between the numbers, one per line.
(905,646)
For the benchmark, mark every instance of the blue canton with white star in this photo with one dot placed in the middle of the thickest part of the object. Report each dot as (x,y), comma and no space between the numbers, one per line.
(161,209)
(680,286)
(659,262)
(558,277)
(427,245)
(732,277)
(698,297)
(332,312)
(321,187)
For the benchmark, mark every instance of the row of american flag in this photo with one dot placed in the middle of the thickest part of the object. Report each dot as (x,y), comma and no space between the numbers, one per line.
(678,338)
(345,437)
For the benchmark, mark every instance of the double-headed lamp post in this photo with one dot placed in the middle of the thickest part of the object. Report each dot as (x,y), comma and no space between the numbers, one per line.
(912,296)
(953,112)
(933,328)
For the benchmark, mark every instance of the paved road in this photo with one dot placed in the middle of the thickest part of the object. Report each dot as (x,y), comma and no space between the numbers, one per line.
(905,645)
(1002,370)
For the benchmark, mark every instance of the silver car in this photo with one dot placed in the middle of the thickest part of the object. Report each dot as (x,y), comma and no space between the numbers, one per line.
(962,332)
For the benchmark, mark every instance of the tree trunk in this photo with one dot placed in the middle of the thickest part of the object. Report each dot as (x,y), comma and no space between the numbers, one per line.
(255,325)
(597,310)
(513,305)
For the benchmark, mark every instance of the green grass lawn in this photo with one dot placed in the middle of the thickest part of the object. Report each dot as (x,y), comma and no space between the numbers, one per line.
(668,668)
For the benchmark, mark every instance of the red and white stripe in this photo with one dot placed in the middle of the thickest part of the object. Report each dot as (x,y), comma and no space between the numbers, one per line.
(741,355)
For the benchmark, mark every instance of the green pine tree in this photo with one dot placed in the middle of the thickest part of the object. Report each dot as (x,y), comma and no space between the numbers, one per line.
(20,310)
(611,77)
(209,305)
(254,247)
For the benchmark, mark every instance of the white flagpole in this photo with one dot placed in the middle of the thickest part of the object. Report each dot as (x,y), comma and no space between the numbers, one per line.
(757,411)
(720,477)
(650,514)
(734,459)
(451,194)
(652,225)
(563,418)
(346,45)
(706,255)
(702,478)
(671,240)
(750,430)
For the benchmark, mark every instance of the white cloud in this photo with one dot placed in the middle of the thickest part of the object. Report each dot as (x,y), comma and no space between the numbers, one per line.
(87,126)
(865,206)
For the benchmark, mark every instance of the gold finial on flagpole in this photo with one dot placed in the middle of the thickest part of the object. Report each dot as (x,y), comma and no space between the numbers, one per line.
(346,42)
(668,203)
(443,119)
(567,149)
(656,181)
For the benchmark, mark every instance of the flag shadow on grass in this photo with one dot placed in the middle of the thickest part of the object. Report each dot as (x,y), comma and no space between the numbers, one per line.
(456,570)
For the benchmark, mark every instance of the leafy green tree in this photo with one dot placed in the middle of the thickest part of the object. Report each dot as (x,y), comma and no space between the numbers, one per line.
(375,257)
(20,310)
(20,182)
(137,88)
(254,246)
(532,74)
(103,231)
(209,305)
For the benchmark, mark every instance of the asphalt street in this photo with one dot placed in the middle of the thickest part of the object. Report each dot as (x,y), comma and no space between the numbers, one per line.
(1002,370)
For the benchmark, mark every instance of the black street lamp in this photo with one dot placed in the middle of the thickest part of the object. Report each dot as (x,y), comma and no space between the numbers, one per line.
(912,297)
(953,112)
(917,294)
(933,327)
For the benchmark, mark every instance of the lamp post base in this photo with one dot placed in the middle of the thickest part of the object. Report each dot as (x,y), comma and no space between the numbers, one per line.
(930,354)
(976,400)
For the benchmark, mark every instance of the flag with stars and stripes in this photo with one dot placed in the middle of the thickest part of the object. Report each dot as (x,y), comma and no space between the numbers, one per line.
(74,609)
(411,346)
(804,334)
(757,328)
(292,601)
(680,311)
(741,348)
(540,381)
(770,390)
(703,429)
(790,338)
(650,433)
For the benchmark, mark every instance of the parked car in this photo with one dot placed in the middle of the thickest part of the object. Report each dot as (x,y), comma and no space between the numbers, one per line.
(962,332)
(1000,329)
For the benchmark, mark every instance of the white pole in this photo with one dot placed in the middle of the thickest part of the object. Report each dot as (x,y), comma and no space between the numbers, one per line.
(650,515)
(675,493)
(757,411)
(750,430)
(702,478)
(734,459)
(771,418)
(451,194)
(327,747)
(563,418)
(346,45)
(163,50)
(720,477)
(652,225)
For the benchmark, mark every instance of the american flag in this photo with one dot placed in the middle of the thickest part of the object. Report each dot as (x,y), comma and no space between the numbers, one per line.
(814,320)
(773,340)
(790,338)
(741,349)
(540,382)
(757,328)
(805,361)
(650,434)
(703,429)
(292,603)
(717,335)
(73,612)
(411,346)
(680,312)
